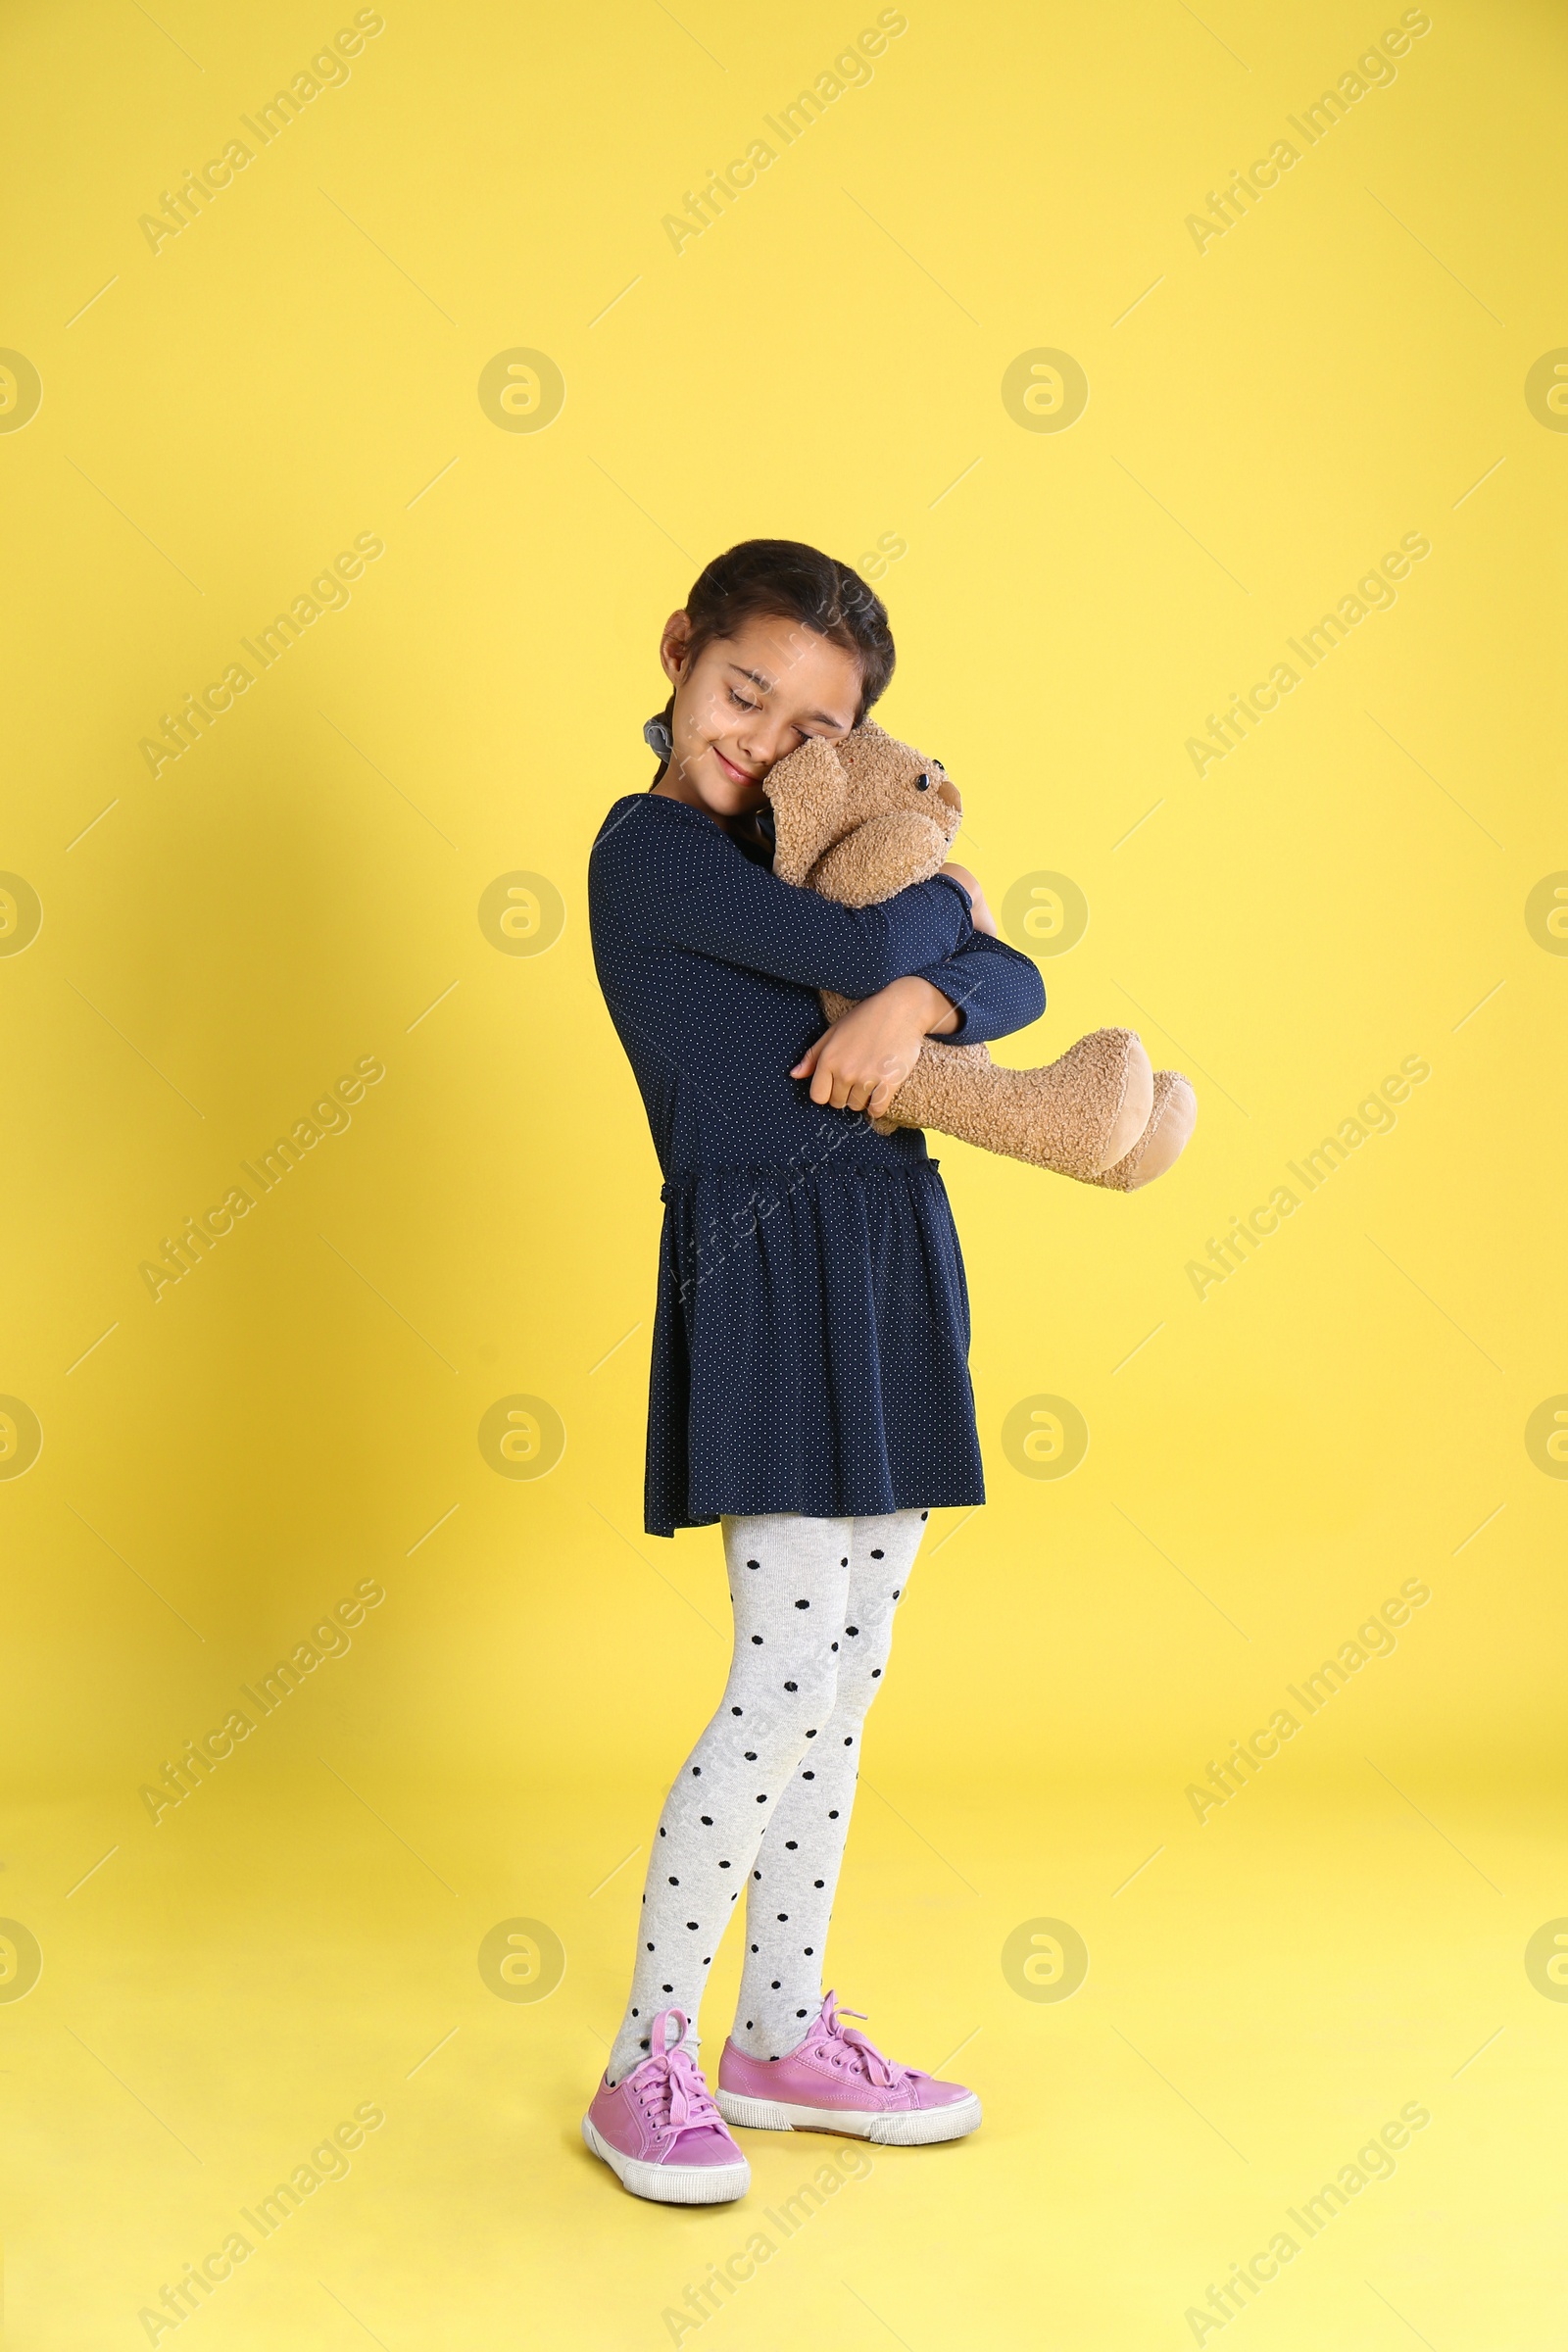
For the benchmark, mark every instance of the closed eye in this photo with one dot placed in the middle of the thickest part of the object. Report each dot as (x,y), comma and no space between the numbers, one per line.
(741,703)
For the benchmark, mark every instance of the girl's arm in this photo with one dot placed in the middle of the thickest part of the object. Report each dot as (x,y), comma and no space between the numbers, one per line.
(704,894)
(985,989)
(861,1061)
(992,987)
(980,913)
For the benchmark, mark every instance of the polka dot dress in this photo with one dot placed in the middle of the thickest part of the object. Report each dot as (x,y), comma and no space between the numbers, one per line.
(811,1331)
(762,1804)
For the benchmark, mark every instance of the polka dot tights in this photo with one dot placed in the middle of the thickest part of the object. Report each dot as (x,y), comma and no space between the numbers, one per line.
(764,1800)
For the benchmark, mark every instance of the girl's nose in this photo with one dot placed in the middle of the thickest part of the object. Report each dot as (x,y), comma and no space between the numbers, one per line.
(759,744)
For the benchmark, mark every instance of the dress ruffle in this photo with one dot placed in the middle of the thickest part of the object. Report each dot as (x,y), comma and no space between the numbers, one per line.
(810,1347)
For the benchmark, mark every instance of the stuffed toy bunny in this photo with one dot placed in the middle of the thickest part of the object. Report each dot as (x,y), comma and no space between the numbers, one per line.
(862,818)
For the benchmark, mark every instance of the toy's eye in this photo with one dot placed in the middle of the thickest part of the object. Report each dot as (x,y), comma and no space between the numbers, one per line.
(923,783)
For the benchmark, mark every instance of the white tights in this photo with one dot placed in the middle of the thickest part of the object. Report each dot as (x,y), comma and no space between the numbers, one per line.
(769,1789)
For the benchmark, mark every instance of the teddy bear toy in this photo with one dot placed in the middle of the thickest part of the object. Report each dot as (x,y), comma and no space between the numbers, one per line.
(859,819)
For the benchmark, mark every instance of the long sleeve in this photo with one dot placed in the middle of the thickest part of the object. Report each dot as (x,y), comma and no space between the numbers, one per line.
(994,987)
(705,896)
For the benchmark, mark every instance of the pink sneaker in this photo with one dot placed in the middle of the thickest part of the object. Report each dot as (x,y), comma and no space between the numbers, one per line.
(659,2131)
(837,2080)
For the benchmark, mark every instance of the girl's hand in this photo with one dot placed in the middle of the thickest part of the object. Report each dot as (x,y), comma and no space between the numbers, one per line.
(860,1063)
(980,914)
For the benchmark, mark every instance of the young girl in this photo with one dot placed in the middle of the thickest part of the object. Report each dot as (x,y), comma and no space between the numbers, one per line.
(810,1386)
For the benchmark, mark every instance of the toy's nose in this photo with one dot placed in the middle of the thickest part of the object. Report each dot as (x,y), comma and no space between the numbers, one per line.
(948,792)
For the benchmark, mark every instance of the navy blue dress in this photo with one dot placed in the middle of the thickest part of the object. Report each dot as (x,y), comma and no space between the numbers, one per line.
(811,1335)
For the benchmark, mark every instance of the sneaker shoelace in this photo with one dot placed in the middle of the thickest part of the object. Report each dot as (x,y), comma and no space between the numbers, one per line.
(671,2084)
(861,2053)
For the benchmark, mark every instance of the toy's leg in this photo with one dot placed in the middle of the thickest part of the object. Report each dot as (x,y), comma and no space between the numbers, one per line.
(1171,1121)
(1137,1105)
(1075,1116)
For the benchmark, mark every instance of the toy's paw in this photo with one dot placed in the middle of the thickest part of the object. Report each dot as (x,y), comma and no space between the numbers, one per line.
(1171,1120)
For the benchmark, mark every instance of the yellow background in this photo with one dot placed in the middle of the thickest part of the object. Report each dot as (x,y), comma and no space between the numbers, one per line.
(1266,418)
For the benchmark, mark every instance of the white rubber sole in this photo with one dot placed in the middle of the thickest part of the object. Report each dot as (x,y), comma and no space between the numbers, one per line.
(918,2127)
(671,2183)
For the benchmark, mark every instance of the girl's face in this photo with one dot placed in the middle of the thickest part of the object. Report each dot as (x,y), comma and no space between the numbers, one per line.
(745,701)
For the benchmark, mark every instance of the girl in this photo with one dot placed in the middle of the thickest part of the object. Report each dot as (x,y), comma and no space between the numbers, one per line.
(810,1386)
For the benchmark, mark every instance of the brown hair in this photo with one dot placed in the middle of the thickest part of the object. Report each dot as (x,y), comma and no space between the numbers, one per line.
(786,579)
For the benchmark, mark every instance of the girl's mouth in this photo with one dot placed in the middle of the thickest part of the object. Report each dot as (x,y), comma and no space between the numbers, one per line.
(736,774)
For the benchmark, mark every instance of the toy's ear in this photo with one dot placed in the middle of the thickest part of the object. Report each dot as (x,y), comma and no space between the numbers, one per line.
(808,791)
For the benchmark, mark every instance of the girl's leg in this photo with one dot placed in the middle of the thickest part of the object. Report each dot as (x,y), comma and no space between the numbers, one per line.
(791,1893)
(788,1579)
